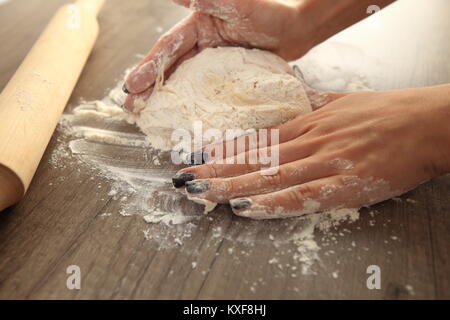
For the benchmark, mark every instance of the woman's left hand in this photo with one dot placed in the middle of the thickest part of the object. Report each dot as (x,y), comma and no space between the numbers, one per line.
(358,150)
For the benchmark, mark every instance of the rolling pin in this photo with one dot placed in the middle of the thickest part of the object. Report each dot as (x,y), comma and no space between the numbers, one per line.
(33,101)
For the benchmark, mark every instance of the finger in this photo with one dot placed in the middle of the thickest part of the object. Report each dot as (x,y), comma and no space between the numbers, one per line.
(169,48)
(245,142)
(135,103)
(296,201)
(291,174)
(271,156)
(319,195)
(288,141)
(238,152)
(256,140)
(291,152)
(209,171)
(249,142)
(191,53)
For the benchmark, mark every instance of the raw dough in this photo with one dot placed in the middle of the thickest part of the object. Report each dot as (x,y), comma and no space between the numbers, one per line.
(225,88)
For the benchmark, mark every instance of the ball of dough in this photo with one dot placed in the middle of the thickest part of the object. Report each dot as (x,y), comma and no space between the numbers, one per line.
(225,88)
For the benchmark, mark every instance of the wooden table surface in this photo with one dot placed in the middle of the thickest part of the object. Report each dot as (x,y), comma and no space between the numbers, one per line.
(58,224)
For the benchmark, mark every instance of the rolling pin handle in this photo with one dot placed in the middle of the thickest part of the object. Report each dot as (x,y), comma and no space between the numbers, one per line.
(33,100)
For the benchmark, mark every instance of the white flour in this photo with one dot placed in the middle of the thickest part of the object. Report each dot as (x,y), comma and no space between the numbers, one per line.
(139,181)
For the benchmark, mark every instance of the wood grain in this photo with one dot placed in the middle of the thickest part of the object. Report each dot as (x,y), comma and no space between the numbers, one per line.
(59,223)
(34,99)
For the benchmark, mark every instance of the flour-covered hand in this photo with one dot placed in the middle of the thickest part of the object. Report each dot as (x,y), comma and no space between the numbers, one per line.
(287,28)
(264,24)
(358,150)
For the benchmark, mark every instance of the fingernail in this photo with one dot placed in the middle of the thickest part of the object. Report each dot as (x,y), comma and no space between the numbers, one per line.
(196,187)
(241,204)
(125,89)
(180,179)
(197,158)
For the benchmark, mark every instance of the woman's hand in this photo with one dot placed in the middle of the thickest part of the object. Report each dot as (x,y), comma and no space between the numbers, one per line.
(264,24)
(288,28)
(356,151)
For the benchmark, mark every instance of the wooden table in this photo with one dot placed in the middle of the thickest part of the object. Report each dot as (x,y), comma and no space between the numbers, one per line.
(58,224)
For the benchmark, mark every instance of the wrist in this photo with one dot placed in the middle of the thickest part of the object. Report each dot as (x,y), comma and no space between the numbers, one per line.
(445,112)
(319,16)
(439,113)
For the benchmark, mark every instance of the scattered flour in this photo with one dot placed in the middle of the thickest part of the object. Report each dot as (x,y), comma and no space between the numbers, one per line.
(167,219)
(335,66)
(209,206)
(410,290)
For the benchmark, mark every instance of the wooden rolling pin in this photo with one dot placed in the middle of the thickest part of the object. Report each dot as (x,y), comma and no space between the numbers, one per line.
(34,99)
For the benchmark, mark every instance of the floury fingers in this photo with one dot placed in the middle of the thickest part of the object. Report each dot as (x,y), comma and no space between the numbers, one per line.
(255,148)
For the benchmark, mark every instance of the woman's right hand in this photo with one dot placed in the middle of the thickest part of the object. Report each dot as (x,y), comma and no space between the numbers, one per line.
(264,24)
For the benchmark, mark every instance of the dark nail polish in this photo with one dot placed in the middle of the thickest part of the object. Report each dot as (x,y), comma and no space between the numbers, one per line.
(241,204)
(125,89)
(125,109)
(197,187)
(197,158)
(180,179)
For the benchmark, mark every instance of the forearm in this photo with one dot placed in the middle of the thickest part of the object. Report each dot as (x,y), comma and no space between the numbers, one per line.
(330,16)
(440,99)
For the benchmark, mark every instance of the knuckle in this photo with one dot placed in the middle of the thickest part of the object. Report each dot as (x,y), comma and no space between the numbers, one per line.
(214,170)
(305,191)
(300,194)
(166,38)
(293,196)
(273,180)
(231,186)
